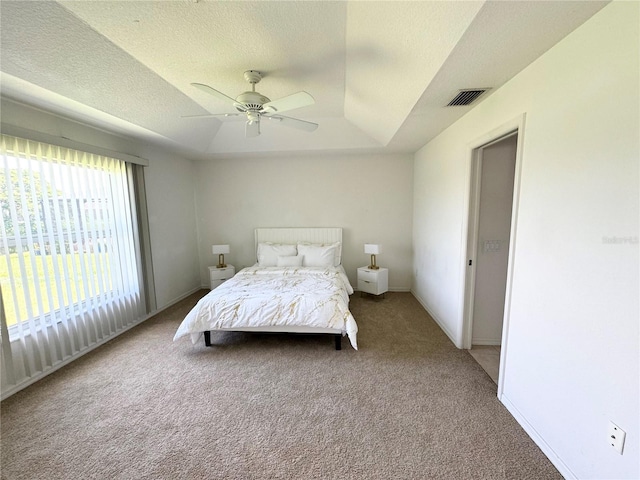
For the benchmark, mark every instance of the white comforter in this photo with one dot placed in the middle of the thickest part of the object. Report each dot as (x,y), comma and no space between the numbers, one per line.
(276,298)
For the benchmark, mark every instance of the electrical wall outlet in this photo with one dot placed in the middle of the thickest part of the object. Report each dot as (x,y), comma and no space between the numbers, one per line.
(615,437)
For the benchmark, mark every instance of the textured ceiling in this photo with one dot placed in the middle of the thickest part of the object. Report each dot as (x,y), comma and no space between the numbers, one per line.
(381,73)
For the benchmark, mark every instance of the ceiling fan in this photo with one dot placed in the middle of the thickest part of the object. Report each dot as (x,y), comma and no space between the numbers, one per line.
(256,106)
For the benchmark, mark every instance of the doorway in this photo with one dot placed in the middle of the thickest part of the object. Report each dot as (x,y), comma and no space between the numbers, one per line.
(491,207)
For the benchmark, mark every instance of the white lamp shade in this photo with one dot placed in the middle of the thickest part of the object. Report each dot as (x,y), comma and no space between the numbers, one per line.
(372,248)
(217,249)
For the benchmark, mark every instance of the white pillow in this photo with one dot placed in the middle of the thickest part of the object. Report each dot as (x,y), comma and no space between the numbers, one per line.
(318,255)
(289,261)
(268,253)
(335,246)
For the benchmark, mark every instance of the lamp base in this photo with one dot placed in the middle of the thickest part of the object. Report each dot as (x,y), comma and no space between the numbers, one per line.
(373,267)
(221,263)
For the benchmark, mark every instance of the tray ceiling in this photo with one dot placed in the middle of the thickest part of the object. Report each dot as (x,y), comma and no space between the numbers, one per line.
(381,73)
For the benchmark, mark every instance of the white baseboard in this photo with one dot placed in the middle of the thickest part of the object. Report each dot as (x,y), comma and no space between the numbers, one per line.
(400,290)
(562,467)
(486,341)
(564,470)
(172,302)
(442,326)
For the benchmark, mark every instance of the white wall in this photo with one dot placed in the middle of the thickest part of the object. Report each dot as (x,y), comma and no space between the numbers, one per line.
(370,197)
(169,182)
(572,346)
(170,195)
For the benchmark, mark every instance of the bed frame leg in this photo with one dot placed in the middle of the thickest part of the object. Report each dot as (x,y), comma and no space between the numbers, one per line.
(207,338)
(338,339)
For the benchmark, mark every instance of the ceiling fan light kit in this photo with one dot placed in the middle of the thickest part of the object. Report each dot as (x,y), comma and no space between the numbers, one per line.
(255,106)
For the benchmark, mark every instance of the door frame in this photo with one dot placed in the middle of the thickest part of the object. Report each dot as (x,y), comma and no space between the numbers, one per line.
(470,231)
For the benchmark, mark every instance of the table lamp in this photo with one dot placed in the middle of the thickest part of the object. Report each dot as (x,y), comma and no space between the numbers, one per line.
(374,250)
(220,250)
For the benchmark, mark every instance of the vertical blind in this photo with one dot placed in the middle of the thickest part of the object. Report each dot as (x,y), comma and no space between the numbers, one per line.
(70,268)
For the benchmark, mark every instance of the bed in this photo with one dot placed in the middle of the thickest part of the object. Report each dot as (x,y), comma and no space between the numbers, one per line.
(297,285)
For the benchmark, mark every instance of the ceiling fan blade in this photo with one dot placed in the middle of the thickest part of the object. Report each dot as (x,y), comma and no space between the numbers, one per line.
(214,92)
(296,100)
(294,122)
(252,128)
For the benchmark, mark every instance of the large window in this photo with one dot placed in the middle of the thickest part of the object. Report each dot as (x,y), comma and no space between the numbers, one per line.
(70,268)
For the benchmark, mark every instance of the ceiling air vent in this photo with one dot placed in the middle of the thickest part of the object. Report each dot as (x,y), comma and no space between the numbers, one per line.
(466,97)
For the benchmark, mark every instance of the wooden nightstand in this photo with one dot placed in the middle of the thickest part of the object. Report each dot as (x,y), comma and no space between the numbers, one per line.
(218,276)
(375,282)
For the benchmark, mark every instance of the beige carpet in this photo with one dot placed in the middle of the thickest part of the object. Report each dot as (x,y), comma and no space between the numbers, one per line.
(407,405)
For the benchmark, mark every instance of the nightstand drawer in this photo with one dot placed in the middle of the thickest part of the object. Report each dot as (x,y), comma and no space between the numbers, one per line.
(370,276)
(368,287)
(225,275)
(217,276)
(375,282)
(216,283)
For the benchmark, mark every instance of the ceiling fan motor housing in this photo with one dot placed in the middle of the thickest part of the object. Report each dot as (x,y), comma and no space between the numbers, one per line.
(251,101)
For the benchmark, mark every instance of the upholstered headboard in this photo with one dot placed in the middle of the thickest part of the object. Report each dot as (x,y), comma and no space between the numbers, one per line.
(322,235)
